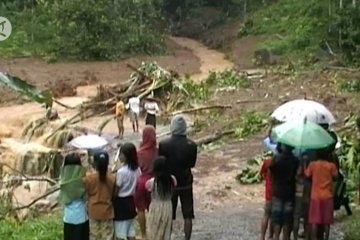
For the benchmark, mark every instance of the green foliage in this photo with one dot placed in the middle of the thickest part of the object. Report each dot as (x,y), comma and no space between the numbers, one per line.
(251,123)
(352,230)
(193,91)
(26,90)
(350,85)
(349,22)
(302,25)
(83,29)
(228,78)
(251,173)
(40,228)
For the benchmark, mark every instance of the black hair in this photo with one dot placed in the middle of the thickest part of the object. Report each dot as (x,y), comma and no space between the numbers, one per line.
(72,159)
(101,160)
(325,126)
(323,154)
(130,154)
(163,180)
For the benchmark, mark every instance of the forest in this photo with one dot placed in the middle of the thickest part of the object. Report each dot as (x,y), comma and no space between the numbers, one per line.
(314,41)
(114,29)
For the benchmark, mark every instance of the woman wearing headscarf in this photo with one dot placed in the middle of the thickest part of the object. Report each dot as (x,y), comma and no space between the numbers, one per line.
(146,155)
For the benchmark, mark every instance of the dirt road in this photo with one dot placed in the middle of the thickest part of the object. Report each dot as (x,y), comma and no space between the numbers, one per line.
(224,209)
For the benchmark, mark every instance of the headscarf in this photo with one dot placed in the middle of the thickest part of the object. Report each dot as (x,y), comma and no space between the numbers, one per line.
(178,126)
(71,183)
(148,150)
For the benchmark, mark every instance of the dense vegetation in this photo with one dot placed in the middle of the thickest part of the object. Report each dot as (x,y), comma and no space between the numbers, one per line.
(82,29)
(310,29)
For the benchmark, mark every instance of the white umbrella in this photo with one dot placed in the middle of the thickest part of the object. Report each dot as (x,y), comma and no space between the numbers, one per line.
(89,141)
(300,109)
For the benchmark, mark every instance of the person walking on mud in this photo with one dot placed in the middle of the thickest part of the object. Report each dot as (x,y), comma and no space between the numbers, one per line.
(119,115)
(134,111)
(181,154)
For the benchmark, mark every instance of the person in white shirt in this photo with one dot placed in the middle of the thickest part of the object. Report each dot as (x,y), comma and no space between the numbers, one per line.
(124,203)
(134,107)
(152,108)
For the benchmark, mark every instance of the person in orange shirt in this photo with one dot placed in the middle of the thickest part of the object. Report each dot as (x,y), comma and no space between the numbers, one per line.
(119,115)
(322,173)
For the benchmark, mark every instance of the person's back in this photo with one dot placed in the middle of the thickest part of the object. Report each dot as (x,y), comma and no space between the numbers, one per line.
(283,171)
(322,173)
(100,196)
(134,104)
(181,154)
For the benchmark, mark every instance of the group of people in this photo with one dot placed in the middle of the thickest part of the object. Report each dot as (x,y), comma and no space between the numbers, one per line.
(134,109)
(299,185)
(100,205)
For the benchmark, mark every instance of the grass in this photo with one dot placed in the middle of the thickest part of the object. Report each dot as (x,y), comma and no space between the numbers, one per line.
(352,230)
(40,228)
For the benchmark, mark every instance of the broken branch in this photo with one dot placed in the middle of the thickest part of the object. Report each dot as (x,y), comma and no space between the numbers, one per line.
(201,109)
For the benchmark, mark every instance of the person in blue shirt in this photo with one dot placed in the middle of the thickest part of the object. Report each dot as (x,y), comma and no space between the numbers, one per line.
(72,197)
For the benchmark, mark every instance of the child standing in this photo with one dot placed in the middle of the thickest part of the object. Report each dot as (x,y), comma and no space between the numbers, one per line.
(72,196)
(100,187)
(321,214)
(265,174)
(126,179)
(160,213)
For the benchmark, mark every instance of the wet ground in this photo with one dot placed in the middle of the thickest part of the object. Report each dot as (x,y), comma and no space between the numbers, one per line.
(224,209)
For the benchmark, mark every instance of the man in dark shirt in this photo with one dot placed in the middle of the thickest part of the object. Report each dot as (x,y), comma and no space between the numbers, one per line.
(181,154)
(283,169)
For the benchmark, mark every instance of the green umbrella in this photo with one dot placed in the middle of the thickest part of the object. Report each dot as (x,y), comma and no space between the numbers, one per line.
(303,135)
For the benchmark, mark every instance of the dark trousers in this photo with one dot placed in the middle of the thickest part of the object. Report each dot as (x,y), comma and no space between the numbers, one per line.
(76,231)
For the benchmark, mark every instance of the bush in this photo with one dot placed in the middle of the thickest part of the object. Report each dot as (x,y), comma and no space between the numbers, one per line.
(228,78)
(251,123)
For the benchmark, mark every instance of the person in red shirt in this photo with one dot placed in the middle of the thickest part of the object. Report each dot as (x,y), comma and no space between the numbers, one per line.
(265,174)
(322,173)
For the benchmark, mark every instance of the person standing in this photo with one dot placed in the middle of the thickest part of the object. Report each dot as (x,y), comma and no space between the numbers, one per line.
(72,196)
(152,108)
(161,187)
(146,156)
(181,154)
(134,107)
(126,178)
(266,174)
(100,187)
(321,214)
(283,170)
(119,115)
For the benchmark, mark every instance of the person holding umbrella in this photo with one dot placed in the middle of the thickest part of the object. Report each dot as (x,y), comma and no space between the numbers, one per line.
(302,135)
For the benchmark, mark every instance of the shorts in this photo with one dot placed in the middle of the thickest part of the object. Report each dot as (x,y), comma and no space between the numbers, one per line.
(186,200)
(125,229)
(281,212)
(321,211)
(142,196)
(133,116)
(299,207)
(267,208)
